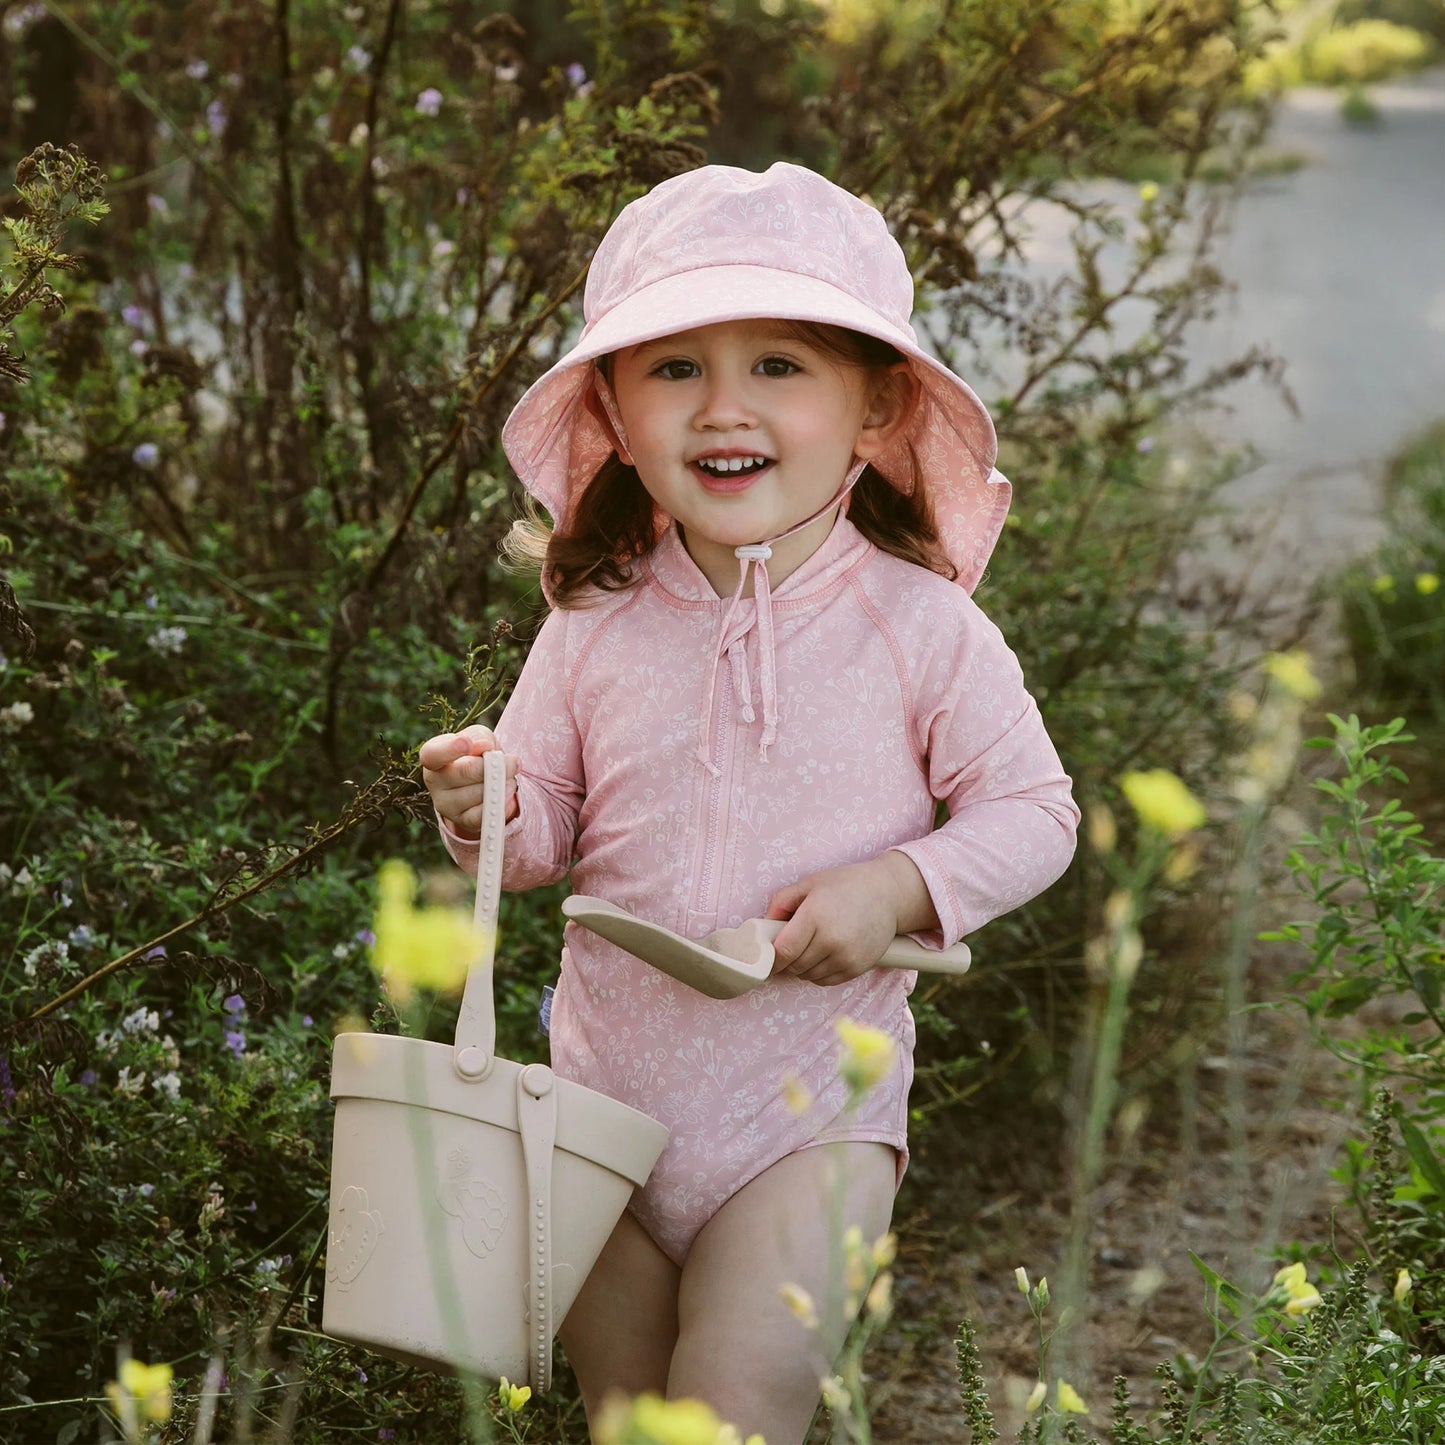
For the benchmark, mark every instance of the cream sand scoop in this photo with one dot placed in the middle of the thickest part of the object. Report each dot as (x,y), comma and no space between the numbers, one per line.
(730,961)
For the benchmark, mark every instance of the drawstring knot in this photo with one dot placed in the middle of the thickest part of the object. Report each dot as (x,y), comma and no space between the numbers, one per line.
(752,555)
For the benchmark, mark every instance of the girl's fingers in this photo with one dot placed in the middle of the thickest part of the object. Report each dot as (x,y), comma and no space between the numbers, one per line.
(446,748)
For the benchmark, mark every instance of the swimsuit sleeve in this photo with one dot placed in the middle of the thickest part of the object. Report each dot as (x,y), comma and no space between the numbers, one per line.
(1012,819)
(537,725)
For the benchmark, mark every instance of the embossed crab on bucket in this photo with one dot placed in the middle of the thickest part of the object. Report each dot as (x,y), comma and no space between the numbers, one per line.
(470,1195)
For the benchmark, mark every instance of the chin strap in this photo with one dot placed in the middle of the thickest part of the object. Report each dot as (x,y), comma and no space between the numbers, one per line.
(732,637)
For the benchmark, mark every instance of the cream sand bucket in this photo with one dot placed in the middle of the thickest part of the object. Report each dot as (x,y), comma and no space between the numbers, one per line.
(470,1196)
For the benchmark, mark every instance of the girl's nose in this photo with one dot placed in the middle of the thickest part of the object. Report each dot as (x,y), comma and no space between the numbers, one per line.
(724,404)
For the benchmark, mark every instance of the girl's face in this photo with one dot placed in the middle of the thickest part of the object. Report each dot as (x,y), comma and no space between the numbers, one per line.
(740,431)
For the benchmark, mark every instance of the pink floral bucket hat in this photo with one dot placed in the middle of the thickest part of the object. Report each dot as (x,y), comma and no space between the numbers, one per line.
(724,244)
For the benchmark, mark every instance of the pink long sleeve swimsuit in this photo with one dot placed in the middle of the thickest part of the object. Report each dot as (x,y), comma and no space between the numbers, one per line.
(893,690)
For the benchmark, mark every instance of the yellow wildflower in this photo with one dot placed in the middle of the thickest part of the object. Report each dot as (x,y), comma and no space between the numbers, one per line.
(657,1421)
(1037,1396)
(880,1295)
(1149,191)
(1426,583)
(513,1397)
(1403,1285)
(147,1386)
(1102,832)
(885,1250)
(1383,583)
(1181,863)
(795,1095)
(835,1393)
(1162,802)
(431,947)
(867,1055)
(1069,1400)
(1021,1278)
(800,1302)
(1291,670)
(1301,1295)
(1241,706)
(1128,955)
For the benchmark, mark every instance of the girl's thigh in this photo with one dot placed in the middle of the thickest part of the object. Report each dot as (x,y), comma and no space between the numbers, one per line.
(621,1330)
(740,1347)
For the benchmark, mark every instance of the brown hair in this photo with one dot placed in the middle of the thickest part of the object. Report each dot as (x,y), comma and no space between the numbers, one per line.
(615,522)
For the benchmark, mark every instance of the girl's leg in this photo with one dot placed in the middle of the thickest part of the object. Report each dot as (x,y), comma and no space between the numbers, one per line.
(621,1329)
(740,1348)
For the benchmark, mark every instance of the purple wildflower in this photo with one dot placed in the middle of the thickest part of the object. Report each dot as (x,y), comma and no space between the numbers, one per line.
(89,1079)
(306,1021)
(197,69)
(576,74)
(159,951)
(158,204)
(7,1084)
(145,1190)
(234,1004)
(146,455)
(216,119)
(134,316)
(236,1042)
(366,936)
(1145,446)
(429,102)
(82,936)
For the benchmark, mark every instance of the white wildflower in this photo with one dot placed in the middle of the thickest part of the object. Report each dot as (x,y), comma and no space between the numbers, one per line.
(141,1021)
(16,716)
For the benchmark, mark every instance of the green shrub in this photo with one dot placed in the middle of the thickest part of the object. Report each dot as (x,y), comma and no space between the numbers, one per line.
(1378,896)
(1392,602)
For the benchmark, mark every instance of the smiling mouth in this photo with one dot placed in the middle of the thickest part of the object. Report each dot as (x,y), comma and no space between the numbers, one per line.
(728,468)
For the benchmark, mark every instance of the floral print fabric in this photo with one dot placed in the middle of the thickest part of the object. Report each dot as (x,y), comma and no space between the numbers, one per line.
(895,692)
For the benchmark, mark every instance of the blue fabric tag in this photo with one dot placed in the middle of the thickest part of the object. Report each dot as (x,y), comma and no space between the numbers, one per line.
(544,1011)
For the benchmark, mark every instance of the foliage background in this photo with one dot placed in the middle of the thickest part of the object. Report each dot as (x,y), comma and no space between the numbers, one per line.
(251,497)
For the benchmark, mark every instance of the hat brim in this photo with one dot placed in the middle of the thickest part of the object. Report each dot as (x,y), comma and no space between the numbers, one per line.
(556,444)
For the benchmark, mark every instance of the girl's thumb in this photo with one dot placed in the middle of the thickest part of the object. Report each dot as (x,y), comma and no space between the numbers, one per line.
(784,903)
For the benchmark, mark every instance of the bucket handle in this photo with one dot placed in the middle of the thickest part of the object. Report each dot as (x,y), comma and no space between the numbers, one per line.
(476,1038)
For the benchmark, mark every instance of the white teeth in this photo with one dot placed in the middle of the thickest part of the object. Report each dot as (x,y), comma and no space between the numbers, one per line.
(730,464)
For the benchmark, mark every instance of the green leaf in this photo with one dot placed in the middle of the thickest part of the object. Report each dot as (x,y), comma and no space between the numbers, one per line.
(1423,1157)
(1233,1299)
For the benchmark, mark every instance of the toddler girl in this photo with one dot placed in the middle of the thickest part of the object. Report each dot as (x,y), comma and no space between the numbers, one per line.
(762,672)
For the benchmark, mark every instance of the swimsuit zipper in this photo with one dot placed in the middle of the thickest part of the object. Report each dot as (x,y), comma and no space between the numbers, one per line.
(722,753)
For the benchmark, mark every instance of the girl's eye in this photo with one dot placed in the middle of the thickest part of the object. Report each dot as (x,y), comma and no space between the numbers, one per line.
(776,366)
(676,370)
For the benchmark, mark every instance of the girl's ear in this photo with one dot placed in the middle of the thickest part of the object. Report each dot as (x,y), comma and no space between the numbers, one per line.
(891,408)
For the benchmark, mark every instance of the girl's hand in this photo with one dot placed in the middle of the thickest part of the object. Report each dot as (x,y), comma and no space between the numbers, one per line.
(451,768)
(841,920)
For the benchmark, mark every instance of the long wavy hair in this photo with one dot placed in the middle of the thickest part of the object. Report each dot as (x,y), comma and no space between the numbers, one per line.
(613,524)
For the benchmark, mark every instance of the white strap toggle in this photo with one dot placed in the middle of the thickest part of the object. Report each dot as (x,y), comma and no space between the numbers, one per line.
(753,552)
